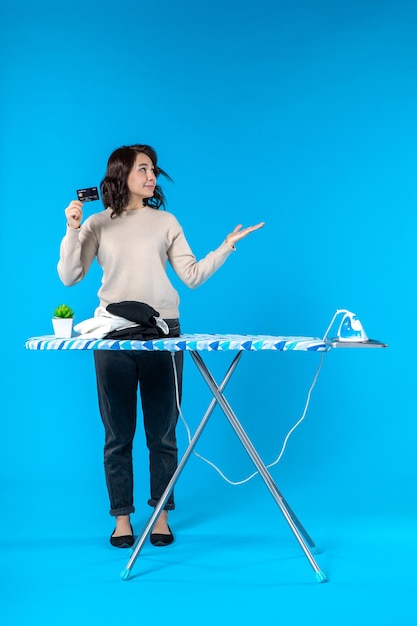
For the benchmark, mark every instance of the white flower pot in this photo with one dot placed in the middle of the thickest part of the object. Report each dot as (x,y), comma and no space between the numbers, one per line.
(62,326)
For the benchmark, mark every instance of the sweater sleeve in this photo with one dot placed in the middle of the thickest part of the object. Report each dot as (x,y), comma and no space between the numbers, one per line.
(77,252)
(192,272)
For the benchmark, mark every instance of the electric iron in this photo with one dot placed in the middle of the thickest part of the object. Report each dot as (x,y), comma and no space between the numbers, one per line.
(350,327)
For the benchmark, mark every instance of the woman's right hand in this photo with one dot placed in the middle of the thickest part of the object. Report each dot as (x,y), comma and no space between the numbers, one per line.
(74,214)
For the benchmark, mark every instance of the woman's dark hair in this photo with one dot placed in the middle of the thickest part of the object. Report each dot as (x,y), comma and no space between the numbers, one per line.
(114,191)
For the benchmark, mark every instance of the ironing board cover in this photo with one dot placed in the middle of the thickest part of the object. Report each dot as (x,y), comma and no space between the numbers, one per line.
(199,342)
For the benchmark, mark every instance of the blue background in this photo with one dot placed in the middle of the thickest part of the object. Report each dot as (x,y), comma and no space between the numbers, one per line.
(300,114)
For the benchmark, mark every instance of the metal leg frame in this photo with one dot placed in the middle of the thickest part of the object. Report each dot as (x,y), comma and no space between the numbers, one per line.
(125,574)
(299,531)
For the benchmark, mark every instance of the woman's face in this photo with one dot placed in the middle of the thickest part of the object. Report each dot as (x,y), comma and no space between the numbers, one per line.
(141,180)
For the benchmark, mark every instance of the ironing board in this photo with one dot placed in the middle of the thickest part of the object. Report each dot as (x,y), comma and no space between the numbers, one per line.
(195,345)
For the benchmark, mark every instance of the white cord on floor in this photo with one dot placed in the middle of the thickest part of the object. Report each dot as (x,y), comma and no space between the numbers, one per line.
(284,445)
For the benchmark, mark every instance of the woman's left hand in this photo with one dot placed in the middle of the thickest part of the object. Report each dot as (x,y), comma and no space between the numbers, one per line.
(238,234)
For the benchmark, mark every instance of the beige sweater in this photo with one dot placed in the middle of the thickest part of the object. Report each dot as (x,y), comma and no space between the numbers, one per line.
(133,251)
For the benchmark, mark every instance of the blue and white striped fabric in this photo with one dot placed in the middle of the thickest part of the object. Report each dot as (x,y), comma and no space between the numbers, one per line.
(197,342)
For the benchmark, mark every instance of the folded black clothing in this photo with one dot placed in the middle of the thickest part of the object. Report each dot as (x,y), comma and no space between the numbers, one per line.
(139,333)
(138,312)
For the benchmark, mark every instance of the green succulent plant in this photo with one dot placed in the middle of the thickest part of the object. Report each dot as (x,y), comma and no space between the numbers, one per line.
(63,310)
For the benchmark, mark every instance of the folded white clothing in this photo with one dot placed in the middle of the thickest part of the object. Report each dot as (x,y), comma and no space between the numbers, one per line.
(104,322)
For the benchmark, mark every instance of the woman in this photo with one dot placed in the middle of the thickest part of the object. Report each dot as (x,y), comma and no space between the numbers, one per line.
(132,241)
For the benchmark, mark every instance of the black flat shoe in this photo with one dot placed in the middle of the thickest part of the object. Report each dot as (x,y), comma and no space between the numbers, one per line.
(124,541)
(158,539)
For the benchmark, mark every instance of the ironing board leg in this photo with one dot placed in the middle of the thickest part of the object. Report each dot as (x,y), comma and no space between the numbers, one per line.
(292,521)
(125,574)
(313,546)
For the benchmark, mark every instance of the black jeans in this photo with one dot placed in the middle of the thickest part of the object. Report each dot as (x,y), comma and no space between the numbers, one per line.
(118,375)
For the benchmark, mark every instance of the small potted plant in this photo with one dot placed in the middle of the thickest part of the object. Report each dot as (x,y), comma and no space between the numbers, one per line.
(62,321)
